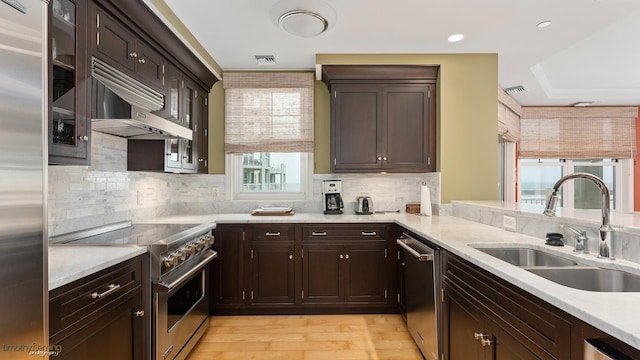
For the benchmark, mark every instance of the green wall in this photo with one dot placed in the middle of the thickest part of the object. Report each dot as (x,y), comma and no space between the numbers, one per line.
(467,112)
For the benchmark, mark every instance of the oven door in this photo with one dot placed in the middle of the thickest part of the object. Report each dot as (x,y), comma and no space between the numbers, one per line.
(181,311)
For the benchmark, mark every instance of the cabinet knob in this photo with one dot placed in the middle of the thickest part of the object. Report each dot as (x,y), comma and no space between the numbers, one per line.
(341,256)
(142,61)
(379,158)
(384,158)
(346,256)
(485,339)
(290,256)
(133,54)
(84,138)
(200,160)
(139,313)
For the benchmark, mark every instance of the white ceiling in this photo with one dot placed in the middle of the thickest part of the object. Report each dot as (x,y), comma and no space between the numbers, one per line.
(591,51)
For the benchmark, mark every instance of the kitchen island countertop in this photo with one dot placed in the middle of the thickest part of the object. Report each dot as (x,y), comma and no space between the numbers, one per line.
(613,313)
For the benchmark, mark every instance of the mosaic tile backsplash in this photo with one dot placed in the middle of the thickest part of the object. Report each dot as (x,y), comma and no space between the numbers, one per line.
(81,197)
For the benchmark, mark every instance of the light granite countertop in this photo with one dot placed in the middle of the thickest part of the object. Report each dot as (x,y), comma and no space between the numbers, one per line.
(68,263)
(613,313)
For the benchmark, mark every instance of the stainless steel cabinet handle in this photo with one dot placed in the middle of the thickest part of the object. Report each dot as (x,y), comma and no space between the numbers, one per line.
(369,233)
(272,234)
(133,54)
(111,289)
(139,313)
(319,233)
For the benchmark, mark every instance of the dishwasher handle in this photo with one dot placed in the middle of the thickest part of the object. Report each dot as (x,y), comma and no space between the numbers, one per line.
(414,253)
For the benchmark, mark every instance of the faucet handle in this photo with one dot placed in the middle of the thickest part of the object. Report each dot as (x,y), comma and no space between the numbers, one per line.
(580,239)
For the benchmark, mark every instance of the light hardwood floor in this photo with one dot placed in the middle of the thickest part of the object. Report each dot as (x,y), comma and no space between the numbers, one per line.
(306,337)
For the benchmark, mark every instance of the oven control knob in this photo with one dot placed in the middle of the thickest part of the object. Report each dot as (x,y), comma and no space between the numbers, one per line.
(208,240)
(188,249)
(170,261)
(180,255)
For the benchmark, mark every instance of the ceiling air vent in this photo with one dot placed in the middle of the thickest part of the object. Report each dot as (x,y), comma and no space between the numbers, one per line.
(265,59)
(515,89)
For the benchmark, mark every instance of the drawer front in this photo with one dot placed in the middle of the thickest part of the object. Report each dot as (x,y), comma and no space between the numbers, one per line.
(345,232)
(85,297)
(273,232)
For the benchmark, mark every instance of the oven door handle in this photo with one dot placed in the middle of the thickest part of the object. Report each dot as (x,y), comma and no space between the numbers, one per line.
(163,287)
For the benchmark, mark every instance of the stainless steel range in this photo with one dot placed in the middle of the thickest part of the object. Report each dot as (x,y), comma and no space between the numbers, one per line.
(179,255)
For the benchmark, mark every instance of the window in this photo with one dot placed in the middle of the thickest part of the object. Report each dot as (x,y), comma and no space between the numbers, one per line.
(537,177)
(269,135)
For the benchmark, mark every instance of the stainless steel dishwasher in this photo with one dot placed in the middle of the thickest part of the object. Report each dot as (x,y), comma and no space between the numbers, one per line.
(421,264)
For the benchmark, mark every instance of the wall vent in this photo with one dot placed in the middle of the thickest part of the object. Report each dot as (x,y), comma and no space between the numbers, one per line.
(515,89)
(265,59)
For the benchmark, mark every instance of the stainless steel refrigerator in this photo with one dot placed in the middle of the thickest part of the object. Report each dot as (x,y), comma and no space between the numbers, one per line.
(23,248)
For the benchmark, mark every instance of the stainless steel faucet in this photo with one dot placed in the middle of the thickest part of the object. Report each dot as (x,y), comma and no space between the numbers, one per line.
(604,248)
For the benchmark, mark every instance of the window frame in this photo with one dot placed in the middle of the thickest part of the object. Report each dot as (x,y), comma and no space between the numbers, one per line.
(623,183)
(234,189)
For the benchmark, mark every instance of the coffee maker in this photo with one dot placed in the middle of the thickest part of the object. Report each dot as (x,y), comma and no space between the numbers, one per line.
(331,198)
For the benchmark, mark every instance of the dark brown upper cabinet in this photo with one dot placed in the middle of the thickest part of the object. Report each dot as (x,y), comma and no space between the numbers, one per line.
(383,117)
(69,127)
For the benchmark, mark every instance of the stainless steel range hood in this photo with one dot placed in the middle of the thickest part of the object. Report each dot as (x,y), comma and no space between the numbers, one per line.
(124,105)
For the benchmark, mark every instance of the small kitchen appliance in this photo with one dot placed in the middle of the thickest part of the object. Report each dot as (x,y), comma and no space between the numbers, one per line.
(364,205)
(331,198)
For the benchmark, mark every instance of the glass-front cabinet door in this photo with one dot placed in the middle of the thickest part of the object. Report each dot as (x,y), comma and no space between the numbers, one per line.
(68,130)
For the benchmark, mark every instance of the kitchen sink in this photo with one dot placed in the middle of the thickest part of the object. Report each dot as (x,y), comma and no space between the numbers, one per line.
(526,257)
(590,278)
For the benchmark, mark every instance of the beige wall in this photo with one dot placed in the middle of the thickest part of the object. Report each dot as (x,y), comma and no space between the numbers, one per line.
(467,149)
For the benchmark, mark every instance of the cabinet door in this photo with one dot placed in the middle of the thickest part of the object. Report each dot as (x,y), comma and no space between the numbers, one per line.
(322,274)
(115,44)
(229,275)
(273,273)
(356,136)
(366,273)
(409,128)
(69,128)
(149,66)
(461,321)
(201,131)
(116,334)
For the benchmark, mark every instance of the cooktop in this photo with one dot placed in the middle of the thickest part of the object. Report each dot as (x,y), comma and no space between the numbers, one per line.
(126,233)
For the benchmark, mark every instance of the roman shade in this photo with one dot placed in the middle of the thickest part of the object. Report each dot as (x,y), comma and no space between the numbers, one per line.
(578,132)
(268,112)
(508,117)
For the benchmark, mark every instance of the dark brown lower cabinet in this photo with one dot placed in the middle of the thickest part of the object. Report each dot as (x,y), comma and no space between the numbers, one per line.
(485,317)
(276,267)
(272,273)
(102,316)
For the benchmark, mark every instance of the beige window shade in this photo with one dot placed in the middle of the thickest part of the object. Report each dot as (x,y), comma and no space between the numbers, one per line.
(578,133)
(508,117)
(270,112)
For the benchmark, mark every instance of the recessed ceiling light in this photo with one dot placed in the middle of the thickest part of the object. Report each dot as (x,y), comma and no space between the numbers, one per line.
(544,24)
(265,59)
(455,37)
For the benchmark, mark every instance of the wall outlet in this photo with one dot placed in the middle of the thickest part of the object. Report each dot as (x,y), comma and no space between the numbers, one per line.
(215,192)
(509,223)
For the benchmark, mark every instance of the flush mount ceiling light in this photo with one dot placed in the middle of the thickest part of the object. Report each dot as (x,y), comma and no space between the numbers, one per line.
(303,23)
(582,103)
(515,89)
(303,18)
(455,37)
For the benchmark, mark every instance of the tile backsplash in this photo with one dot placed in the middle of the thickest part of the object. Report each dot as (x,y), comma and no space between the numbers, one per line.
(81,197)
